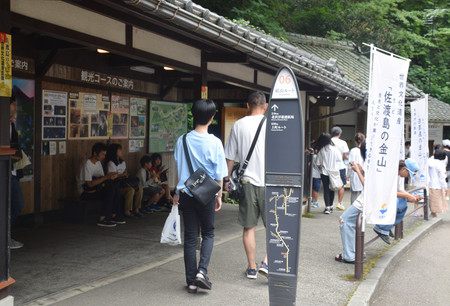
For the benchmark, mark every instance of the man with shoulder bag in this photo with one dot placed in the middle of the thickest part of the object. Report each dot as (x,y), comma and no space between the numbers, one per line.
(246,144)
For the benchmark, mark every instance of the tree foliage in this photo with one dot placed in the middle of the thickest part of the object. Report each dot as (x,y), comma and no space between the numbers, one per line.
(416,29)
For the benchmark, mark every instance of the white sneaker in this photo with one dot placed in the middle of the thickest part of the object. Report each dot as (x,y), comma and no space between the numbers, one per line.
(340,206)
(14,244)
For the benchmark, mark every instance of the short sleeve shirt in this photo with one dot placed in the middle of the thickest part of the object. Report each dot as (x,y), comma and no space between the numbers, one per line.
(239,143)
(342,147)
(120,168)
(206,151)
(90,171)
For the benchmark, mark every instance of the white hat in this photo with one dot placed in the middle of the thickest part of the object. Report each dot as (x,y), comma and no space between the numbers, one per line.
(446,143)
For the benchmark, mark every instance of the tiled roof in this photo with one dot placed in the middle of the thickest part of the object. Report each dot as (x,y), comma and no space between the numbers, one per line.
(350,62)
(438,111)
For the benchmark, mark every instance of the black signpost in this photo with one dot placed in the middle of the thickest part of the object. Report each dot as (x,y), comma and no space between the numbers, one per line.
(284,177)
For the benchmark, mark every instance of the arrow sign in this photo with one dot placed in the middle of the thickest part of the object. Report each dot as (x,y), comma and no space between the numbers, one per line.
(284,178)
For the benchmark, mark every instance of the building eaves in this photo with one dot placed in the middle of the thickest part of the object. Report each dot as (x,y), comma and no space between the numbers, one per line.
(193,17)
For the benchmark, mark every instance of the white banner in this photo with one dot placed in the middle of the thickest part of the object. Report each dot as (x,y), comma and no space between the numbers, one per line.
(419,139)
(385,120)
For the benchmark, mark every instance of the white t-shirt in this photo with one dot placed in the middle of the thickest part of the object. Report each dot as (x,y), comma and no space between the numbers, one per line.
(436,173)
(329,158)
(355,157)
(88,172)
(315,169)
(120,168)
(342,147)
(238,145)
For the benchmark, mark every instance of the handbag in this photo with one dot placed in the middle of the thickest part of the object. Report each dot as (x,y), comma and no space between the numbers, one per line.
(236,186)
(200,184)
(335,180)
(171,233)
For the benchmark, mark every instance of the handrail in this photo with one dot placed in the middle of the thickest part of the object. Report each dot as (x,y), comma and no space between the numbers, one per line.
(359,241)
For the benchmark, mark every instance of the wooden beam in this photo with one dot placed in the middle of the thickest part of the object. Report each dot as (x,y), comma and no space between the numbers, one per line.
(41,70)
(226,58)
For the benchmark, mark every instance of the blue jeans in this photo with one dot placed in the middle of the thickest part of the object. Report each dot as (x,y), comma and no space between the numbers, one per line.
(195,214)
(16,199)
(328,194)
(348,232)
(402,206)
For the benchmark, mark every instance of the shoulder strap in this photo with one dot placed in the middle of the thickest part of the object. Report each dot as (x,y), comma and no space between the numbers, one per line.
(186,153)
(252,147)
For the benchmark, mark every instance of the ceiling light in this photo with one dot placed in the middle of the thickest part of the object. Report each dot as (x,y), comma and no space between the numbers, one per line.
(143,69)
(102,51)
(312,99)
(168,68)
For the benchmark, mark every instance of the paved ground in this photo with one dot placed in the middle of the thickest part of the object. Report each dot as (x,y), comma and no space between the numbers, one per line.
(422,275)
(86,265)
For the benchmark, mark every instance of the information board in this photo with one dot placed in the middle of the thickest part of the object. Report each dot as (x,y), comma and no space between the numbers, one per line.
(284,172)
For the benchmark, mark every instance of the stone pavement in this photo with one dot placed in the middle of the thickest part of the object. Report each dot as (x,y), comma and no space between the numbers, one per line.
(73,264)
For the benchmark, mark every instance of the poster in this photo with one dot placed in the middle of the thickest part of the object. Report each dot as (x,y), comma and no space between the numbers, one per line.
(385,123)
(23,91)
(135,145)
(120,107)
(137,117)
(5,65)
(88,116)
(168,121)
(54,114)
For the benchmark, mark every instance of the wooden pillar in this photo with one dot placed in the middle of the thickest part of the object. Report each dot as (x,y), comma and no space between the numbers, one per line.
(201,81)
(5,176)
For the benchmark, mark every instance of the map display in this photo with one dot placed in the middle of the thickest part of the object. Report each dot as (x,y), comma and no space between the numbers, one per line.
(167,122)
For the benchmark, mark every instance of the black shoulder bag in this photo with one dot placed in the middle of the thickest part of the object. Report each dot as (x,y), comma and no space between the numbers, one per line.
(236,187)
(200,184)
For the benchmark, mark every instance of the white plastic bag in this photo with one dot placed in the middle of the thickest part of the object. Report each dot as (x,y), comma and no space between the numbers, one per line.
(171,233)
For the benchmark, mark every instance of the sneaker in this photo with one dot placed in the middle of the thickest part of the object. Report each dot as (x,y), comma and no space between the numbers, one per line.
(118,220)
(315,204)
(14,244)
(138,215)
(155,207)
(147,209)
(340,206)
(263,269)
(202,281)
(106,223)
(327,210)
(383,237)
(251,273)
(130,216)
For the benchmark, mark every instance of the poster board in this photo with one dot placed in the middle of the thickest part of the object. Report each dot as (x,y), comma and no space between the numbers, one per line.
(138,107)
(167,122)
(54,115)
(120,108)
(229,116)
(89,114)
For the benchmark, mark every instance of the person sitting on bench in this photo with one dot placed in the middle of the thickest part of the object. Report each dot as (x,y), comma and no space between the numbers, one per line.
(95,185)
(152,191)
(129,187)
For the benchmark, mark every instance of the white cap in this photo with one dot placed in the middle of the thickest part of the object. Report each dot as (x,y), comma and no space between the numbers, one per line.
(446,143)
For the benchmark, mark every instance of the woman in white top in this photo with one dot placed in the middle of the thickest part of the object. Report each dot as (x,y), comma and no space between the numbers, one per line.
(115,164)
(437,184)
(328,158)
(355,158)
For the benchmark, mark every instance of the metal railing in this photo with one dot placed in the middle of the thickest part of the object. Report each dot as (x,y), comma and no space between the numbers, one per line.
(359,241)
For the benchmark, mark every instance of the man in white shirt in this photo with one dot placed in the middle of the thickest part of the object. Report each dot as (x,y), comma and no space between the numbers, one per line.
(342,146)
(253,204)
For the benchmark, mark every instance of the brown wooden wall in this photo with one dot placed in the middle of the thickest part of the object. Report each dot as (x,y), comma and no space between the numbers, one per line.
(59,172)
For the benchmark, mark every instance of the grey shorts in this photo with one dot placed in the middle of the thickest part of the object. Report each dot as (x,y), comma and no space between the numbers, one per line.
(252,206)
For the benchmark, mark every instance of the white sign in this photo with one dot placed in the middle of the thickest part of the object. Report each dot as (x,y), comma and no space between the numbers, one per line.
(284,87)
(62,147)
(436,133)
(90,103)
(384,136)
(419,139)
(52,146)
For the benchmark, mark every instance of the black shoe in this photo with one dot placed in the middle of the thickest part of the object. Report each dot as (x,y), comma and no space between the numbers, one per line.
(106,223)
(383,237)
(118,220)
(391,234)
(192,289)
(202,281)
